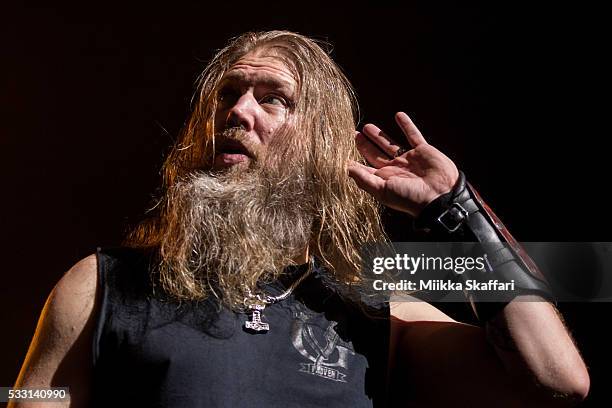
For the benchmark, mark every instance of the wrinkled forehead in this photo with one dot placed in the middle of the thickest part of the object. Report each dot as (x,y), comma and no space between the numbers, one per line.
(267,66)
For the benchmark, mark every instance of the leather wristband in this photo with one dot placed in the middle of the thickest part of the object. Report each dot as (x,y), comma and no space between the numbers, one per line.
(462,216)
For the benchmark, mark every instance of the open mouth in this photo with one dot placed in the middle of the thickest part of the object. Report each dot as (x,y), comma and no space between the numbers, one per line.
(232,147)
(230,152)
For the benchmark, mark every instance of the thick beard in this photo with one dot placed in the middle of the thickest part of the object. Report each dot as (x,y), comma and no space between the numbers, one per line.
(228,231)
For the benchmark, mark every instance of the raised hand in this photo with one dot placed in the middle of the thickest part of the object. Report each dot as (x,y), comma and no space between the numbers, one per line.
(405,180)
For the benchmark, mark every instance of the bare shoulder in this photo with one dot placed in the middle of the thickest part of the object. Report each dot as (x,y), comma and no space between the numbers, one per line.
(73,297)
(414,310)
(415,323)
(60,352)
(427,344)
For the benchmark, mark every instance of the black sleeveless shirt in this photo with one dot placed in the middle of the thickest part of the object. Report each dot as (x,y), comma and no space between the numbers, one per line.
(153,352)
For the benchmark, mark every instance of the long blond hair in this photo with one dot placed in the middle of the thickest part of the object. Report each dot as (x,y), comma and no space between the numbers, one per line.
(326,109)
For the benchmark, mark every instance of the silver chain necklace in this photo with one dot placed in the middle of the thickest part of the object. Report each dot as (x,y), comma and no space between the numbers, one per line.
(257,303)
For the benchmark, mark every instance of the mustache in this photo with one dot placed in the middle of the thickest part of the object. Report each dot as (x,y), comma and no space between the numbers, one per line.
(236,140)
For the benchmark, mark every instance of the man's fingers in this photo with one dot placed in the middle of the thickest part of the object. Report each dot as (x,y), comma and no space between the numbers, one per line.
(369,169)
(370,152)
(384,142)
(413,135)
(365,178)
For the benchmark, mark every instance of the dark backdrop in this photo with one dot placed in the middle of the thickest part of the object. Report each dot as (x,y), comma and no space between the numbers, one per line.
(93,95)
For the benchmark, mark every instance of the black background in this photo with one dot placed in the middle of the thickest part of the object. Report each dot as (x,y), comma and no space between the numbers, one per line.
(92,95)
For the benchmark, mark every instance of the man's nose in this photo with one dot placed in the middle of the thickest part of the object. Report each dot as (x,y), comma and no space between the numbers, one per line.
(242,113)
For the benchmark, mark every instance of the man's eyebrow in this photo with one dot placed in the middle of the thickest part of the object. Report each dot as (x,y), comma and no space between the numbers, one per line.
(265,80)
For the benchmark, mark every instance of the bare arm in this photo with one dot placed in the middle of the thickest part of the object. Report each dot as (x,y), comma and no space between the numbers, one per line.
(524,358)
(532,341)
(60,354)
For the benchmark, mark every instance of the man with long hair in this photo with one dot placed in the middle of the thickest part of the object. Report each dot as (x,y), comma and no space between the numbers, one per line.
(238,290)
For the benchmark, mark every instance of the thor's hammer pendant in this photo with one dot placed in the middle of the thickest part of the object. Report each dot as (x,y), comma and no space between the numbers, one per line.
(255,324)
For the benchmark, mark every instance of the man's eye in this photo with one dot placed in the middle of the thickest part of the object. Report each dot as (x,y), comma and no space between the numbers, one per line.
(227,95)
(274,100)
